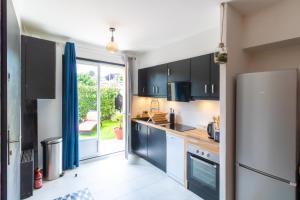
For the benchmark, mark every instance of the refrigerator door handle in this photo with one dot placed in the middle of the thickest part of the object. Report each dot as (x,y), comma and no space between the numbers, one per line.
(268,175)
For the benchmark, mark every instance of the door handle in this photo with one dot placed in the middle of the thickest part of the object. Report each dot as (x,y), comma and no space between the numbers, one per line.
(205,88)
(169,72)
(143,89)
(153,88)
(8,146)
(157,89)
(212,88)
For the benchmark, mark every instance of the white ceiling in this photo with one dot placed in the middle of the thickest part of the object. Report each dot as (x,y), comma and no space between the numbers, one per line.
(140,24)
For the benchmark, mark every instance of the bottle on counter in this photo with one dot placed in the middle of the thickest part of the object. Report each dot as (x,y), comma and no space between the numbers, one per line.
(172,116)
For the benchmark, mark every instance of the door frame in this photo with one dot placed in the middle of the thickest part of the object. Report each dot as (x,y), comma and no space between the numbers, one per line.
(98,64)
(3,105)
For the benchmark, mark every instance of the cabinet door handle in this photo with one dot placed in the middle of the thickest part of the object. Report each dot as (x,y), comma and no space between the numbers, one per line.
(157,89)
(153,89)
(205,88)
(143,89)
(169,72)
(212,88)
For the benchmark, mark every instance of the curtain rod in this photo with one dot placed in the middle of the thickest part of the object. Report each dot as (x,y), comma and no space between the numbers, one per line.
(99,61)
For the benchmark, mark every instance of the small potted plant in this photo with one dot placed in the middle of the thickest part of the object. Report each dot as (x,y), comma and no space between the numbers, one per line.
(119,130)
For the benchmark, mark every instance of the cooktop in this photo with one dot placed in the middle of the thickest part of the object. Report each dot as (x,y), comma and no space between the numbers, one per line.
(178,127)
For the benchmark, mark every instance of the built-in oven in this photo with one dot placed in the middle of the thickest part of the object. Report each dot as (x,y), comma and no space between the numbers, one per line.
(203,172)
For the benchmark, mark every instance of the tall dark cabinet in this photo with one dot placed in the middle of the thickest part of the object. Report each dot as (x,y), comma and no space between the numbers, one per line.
(37,82)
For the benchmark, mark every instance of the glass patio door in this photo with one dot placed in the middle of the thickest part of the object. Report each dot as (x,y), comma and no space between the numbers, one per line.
(88,107)
(101,92)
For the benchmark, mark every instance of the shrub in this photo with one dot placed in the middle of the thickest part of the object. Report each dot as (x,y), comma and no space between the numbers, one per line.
(87,97)
(87,100)
(108,96)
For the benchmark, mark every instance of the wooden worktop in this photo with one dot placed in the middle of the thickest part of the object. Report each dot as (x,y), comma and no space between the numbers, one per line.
(196,136)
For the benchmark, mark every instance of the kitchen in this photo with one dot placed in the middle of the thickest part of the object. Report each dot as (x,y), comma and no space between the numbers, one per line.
(191,128)
(175,124)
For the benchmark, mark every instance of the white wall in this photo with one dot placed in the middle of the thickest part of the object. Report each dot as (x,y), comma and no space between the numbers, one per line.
(237,61)
(50,111)
(275,23)
(195,113)
(200,44)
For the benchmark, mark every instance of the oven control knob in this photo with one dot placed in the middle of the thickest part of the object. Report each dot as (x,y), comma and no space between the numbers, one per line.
(202,153)
(207,155)
(197,151)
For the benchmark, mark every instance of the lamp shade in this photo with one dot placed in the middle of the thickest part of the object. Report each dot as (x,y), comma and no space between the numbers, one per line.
(112,47)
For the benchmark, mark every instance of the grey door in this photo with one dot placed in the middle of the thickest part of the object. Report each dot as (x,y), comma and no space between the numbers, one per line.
(266,122)
(13,104)
(252,185)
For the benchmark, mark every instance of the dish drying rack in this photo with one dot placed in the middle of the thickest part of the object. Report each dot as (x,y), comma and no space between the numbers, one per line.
(155,115)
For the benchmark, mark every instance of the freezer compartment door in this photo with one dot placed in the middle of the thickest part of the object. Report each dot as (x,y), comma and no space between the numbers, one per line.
(252,185)
(266,122)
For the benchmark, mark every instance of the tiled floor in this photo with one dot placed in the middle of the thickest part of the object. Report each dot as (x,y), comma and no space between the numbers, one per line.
(114,177)
(111,146)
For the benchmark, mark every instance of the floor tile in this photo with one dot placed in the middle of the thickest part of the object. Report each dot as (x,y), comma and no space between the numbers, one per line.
(115,178)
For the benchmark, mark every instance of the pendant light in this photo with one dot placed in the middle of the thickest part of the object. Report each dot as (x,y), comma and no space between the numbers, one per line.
(112,46)
(220,56)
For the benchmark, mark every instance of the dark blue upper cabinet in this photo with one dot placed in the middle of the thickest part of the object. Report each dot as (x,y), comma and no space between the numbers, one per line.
(214,78)
(38,64)
(201,71)
(205,78)
(152,81)
(142,82)
(179,71)
(200,76)
(159,84)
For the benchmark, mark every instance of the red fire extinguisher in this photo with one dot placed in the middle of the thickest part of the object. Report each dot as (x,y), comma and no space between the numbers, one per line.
(38,179)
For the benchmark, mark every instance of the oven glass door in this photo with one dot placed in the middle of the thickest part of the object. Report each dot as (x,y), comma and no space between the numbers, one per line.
(204,172)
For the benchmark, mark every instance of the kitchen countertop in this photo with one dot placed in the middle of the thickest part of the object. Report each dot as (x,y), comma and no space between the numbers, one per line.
(196,136)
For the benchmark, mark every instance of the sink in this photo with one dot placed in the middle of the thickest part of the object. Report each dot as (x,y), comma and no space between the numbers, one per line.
(143,119)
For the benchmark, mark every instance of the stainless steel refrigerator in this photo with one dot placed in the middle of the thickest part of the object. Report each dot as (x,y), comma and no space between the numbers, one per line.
(266,136)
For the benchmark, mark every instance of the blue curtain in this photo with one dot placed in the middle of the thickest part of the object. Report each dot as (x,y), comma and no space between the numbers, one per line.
(70,109)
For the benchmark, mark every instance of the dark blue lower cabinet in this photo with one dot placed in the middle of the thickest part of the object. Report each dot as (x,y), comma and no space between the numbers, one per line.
(157,147)
(150,144)
(139,139)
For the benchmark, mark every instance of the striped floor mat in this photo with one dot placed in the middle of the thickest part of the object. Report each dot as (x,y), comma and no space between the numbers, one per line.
(79,195)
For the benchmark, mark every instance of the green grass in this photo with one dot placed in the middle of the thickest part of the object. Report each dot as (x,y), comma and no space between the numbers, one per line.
(106,131)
